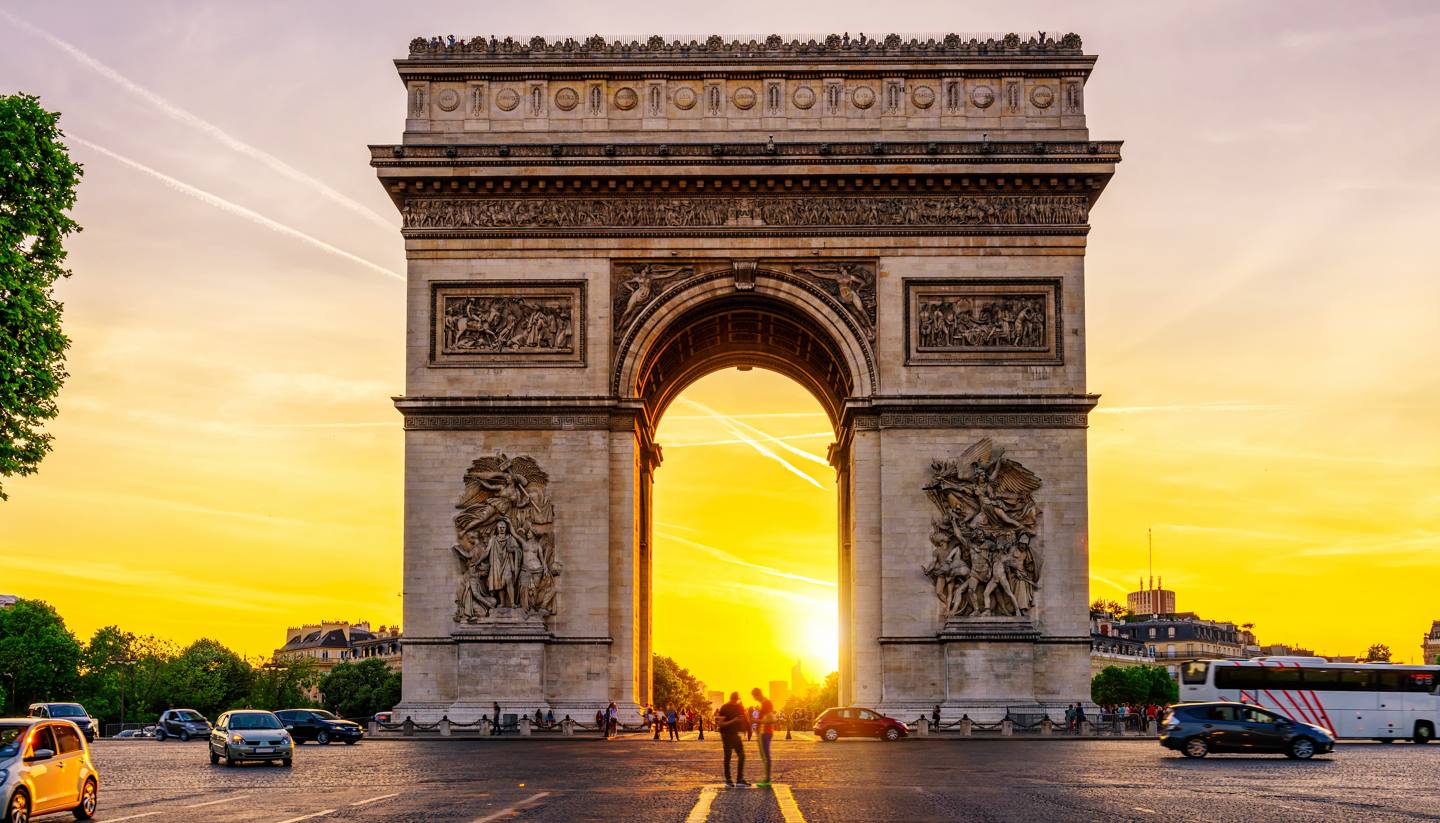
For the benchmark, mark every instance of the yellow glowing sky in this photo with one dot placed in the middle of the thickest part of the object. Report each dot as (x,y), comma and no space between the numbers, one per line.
(1261,300)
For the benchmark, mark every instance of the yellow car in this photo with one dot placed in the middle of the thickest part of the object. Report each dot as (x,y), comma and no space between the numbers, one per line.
(45,767)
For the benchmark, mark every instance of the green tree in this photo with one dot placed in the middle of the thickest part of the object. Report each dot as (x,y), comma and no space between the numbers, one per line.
(674,685)
(104,672)
(1113,687)
(1378,653)
(283,685)
(1133,686)
(149,676)
(360,689)
(1154,686)
(207,677)
(39,657)
(37,188)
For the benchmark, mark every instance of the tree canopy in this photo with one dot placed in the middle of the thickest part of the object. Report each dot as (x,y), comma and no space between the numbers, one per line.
(360,689)
(1134,686)
(39,657)
(37,189)
(674,685)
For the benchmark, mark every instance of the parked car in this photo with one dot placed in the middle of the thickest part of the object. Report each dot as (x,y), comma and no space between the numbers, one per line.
(383,717)
(74,712)
(1196,729)
(320,726)
(247,734)
(181,723)
(854,721)
(45,767)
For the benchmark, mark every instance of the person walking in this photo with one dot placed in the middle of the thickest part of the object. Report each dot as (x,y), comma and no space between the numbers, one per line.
(658,721)
(495,722)
(1079,719)
(672,719)
(612,721)
(765,725)
(729,721)
(601,723)
(1069,717)
(935,718)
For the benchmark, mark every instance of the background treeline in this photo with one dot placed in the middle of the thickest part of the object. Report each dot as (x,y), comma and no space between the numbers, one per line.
(41,660)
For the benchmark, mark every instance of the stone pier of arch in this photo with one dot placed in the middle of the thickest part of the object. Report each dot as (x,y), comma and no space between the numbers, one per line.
(591,226)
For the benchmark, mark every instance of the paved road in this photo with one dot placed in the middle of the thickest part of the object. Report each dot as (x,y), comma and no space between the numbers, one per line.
(637,779)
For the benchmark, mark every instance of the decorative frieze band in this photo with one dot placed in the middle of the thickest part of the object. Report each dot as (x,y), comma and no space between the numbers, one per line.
(715,46)
(962,420)
(735,212)
(506,422)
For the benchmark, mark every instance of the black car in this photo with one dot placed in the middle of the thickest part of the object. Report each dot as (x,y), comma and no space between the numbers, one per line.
(74,712)
(320,726)
(182,723)
(1196,729)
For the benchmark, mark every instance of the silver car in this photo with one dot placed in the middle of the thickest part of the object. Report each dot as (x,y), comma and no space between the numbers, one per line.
(45,767)
(250,735)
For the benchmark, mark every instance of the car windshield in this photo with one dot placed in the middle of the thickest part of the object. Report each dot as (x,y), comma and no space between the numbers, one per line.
(324,715)
(67,710)
(254,721)
(187,717)
(10,736)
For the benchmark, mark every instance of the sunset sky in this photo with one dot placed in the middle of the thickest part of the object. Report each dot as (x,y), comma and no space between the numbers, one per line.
(1262,296)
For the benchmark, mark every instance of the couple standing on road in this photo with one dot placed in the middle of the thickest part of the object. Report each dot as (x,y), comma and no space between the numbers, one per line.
(732,721)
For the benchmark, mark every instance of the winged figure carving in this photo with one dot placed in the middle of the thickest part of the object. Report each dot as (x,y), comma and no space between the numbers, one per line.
(505,541)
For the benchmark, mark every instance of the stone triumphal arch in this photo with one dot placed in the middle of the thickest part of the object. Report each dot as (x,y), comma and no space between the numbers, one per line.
(899,225)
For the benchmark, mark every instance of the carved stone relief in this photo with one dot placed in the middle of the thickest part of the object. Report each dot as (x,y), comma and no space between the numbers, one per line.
(863,97)
(982,96)
(448,100)
(804,97)
(566,99)
(507,323)
(996,321)
(507,99)
(684,98)
(744,98)
(1042,96)
(626,99)
(911,212)
(923,97)
(634,287)
(852,285)
(505,542)
(985,537)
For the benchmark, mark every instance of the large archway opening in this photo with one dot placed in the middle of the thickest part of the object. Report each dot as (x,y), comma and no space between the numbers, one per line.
(745,570)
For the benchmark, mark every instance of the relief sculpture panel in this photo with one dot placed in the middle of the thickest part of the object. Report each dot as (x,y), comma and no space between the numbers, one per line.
(985,534)
(1013,321)
(508,323)
(505,542)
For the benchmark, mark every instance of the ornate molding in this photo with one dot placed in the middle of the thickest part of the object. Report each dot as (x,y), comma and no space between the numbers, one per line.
(833,46)
(962,420)
(422,214)
(611,154)
(507,422)
(984,321)
(507,323)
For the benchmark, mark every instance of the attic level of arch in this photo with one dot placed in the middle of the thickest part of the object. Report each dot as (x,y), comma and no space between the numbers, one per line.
(770,152)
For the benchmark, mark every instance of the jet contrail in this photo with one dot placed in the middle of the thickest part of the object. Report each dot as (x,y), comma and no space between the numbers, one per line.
(733,442)
(199,124)
(753,443)
(234,208)
(801,453)
(730,558)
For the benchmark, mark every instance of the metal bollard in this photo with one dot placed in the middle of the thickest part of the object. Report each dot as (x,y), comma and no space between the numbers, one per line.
(567,727)
(409,730)
(485,726)
(445,726)
(922,729)
(524,725)
(965,725)
(1007,727)
(1046,726)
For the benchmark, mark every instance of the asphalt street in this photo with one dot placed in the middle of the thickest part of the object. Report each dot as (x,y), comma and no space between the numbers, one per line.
(638,779)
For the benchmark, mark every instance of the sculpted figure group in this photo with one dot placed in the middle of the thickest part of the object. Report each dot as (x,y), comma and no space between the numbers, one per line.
(982,321)
(984,536)
(508,324)
(506,541)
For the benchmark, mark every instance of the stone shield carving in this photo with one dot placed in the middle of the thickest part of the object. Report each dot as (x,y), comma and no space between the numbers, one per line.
(505,542)
(985,535)
(513,323)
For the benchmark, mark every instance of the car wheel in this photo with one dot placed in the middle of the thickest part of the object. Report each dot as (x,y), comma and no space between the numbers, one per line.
(160,735)
(286,762)
(1301,748)
(214,758)
(184,737)
(1196,747)
(88,801)
(892,734)
(230,759)
(831,735)
(323,738)
(19,809)
(1424,733)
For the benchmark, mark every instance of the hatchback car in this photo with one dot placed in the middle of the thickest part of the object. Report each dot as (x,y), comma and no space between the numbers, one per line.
(45,767)
(250,735)
(74,712)
(1196,729)
(320,726)
(181,723)
(854,721)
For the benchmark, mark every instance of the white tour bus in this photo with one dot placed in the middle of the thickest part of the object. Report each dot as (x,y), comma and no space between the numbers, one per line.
(1379,701)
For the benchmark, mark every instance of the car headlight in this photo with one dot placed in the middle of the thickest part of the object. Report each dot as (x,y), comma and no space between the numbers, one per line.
(4,775)
(237,739)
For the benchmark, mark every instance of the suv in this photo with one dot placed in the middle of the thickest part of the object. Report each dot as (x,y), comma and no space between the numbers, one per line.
(320,726)
(1196,729)
(181,723)
(853,721)
(74,712)
(45,767)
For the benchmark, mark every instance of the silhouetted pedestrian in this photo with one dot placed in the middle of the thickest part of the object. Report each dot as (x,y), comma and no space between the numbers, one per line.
(495,722)
(730,721)
(765,725)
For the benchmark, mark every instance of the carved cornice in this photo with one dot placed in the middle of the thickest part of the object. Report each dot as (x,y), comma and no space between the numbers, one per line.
(656,48)
(690,215)
(972,412)
(620,153)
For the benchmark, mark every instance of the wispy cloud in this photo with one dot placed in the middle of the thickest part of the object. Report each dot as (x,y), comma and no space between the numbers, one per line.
(736,442)
(1176,408)
(721,554)
(200,124)
(236,209)
(1107,581)
(734,428)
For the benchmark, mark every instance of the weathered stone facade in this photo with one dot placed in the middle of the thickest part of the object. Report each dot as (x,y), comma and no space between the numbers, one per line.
(898,225)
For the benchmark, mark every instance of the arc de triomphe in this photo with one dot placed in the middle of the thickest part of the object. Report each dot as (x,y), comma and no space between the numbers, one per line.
(898,225)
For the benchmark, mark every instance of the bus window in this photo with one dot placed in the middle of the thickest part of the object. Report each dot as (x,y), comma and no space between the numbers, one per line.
(1392,681)
(1419,681)
(1240,677)
(1283,678)
(1193,673)
(1322,680)
(1355,680)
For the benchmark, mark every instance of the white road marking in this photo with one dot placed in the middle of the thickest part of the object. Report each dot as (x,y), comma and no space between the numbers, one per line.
(789,809)
(213,802)
(367,801)
(701,811)
(511,811)
(129,817)
(308,816)
(1145,810)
